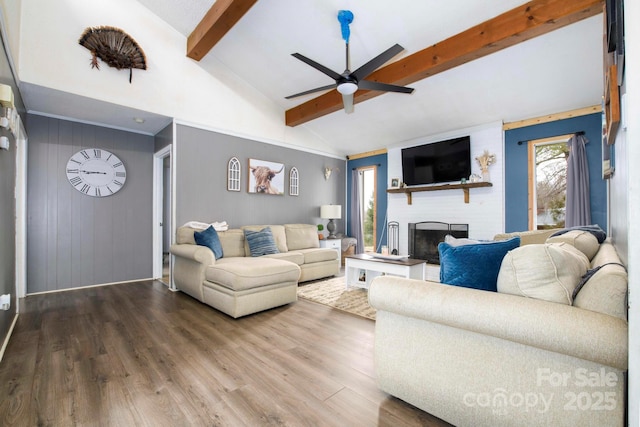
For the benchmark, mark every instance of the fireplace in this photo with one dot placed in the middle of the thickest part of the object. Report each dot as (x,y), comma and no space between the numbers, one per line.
(424,238)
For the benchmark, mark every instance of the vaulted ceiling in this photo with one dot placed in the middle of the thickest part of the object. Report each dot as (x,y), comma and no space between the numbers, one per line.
(470,62)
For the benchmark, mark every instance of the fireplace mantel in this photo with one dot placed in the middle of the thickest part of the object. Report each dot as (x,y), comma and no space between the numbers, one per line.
(464,187)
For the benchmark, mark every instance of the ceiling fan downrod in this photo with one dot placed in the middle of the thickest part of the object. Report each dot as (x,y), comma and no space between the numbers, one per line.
(349,82)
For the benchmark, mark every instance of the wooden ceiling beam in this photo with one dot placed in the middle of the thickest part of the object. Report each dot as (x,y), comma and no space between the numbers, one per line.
(222,16)
(525,22)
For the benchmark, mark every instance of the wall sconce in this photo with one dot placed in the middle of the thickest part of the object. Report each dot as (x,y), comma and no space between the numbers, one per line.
(328,171)
(4,143)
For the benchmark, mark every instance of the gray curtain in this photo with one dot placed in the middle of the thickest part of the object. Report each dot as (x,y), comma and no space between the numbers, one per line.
(355,216)
(578,210)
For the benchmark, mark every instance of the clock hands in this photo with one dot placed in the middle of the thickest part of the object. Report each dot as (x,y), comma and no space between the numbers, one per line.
(96,172)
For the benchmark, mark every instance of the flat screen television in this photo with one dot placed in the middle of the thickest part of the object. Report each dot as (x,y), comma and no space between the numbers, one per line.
(437,162)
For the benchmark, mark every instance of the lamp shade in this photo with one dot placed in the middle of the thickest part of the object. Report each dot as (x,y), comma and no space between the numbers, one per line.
(331,212)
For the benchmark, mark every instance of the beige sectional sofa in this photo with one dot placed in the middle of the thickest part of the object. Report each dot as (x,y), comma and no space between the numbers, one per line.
(239,284)
(529,354)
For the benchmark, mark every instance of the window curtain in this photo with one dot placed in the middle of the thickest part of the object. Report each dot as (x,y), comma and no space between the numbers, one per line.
(578,210)
(355,216)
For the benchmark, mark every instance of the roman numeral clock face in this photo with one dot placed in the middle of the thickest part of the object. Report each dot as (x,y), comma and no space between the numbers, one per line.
(96,173)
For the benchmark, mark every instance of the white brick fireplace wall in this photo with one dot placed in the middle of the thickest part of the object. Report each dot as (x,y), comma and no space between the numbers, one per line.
(485,211)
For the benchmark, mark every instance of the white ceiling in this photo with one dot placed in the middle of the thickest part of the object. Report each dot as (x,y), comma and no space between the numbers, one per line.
(553,73)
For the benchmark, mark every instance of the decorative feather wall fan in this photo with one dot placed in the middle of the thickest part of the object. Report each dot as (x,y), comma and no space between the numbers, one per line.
(114,47)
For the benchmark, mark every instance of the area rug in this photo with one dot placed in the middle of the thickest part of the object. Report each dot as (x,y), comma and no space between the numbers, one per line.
(332,292)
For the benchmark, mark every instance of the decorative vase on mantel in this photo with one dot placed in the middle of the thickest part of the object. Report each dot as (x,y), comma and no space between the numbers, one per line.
(484,161)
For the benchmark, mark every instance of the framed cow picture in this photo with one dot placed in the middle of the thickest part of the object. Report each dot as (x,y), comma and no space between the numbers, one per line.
(266,177)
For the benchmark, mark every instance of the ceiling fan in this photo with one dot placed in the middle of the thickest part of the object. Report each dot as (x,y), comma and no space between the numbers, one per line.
(349,81)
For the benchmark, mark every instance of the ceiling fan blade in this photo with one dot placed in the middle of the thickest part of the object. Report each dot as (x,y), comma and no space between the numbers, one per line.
(376,62)
(306,92)
(347,101)
(329,72)
(385,87)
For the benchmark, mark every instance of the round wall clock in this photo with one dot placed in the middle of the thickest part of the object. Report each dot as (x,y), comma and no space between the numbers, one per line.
(96,172)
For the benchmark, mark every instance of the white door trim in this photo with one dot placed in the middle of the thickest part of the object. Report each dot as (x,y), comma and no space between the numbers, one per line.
(21,212)
(158,188)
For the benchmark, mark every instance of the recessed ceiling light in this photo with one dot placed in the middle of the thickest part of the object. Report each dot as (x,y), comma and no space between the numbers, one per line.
(139,120)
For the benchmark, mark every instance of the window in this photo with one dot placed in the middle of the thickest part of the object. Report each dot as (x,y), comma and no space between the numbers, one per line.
(547,182)
(367,177)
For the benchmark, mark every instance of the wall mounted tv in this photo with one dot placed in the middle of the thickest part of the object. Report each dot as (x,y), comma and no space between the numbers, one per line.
(438,162)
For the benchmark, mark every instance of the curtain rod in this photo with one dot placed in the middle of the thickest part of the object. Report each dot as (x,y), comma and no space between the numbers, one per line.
(527,140)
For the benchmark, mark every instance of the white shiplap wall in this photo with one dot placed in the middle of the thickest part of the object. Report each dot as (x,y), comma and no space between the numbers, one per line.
(485,211)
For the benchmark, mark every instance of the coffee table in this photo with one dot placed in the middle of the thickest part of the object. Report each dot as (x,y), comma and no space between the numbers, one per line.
(361,269)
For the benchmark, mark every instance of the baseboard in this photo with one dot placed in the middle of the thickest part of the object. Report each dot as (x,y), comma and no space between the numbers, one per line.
(6,340)
(91,286)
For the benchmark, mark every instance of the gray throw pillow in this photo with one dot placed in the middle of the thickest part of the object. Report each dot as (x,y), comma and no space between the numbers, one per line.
(261,242)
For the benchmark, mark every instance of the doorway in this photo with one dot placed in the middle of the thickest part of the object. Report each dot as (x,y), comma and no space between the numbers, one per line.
(162,215)
(547,181)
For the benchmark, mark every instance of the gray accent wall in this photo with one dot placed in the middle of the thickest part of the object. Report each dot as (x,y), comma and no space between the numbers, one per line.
(201,181)
(76,240)
(163,138)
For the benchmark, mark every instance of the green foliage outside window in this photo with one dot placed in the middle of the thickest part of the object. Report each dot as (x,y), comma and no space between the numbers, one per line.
(368,224)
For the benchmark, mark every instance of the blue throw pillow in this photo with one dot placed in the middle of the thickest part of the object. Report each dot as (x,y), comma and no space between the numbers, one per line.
(475,265)
(261,242)
(210,239)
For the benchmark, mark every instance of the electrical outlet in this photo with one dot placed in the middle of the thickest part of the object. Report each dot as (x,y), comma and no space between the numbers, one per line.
(5,302)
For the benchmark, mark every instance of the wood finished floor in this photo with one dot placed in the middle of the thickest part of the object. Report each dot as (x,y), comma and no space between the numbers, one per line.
(138,354)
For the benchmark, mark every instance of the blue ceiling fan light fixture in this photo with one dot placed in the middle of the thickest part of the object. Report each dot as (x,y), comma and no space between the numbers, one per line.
(345,17)
(349,82)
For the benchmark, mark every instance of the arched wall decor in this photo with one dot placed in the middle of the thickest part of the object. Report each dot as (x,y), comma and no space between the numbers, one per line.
(294,182)
(234,172)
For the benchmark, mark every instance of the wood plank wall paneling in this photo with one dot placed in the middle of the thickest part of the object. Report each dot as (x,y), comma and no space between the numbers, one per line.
(76,240)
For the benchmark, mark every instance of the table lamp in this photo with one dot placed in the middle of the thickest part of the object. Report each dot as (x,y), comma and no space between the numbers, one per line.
(331,212)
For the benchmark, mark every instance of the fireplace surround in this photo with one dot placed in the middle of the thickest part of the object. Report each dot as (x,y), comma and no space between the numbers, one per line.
(425,236)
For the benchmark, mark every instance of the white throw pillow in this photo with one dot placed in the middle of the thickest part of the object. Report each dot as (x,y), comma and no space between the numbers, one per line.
(549,271)
(459,241)
(584,241)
